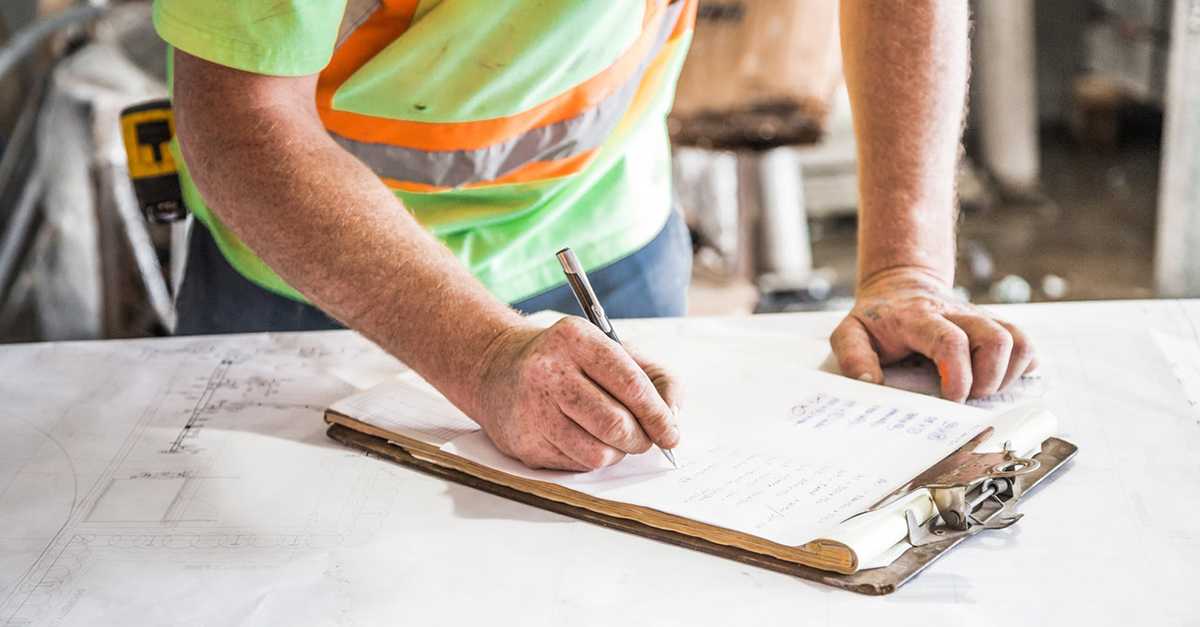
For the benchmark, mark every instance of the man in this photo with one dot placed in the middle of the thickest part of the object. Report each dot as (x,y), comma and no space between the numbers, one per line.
(411,167)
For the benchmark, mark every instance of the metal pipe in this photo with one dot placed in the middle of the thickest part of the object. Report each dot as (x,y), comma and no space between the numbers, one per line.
(27,39)
(786,247)
(17,236)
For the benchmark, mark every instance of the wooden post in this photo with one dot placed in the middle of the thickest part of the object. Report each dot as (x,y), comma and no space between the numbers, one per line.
(1177,255)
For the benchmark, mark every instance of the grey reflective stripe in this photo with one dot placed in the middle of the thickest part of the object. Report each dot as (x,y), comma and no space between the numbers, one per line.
(455,168)
(357,12)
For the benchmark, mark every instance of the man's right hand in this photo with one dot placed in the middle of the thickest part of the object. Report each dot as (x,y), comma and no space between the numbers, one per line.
(567,397)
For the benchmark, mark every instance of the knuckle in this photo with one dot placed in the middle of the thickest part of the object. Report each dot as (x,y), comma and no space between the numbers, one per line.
(1000,343)
(843,327)
(951,340)
(617,431)
(595,457)
(1022,349)
(631,380)
(570,328)
(611,457)
(637,440)
(926,308)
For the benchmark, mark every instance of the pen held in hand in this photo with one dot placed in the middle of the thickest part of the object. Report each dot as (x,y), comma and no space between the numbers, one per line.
(590,304)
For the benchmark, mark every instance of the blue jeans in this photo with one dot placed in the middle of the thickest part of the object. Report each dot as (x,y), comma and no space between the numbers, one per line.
(215,298)
(649,283)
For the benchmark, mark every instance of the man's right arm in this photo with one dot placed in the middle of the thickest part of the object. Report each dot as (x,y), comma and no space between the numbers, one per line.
(565,397)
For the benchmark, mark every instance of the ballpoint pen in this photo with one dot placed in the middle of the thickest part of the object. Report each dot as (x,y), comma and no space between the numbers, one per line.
(582,289)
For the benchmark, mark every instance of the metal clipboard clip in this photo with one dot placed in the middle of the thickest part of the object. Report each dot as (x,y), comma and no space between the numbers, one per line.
(972,492)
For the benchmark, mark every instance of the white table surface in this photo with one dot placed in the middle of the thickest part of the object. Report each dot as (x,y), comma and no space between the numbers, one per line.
(189,481)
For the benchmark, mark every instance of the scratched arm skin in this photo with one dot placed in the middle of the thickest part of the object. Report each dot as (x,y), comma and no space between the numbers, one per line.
(565,397)
(906,65)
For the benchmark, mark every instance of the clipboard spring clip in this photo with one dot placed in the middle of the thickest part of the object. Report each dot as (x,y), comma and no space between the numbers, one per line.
(972,491)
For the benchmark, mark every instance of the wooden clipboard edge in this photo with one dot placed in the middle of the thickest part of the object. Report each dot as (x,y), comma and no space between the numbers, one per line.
(878,581)
(825,554)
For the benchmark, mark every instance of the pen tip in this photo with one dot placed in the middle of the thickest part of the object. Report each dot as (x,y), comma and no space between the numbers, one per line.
(671,458)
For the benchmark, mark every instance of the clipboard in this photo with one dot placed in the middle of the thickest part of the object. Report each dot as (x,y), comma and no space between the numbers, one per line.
(964,510)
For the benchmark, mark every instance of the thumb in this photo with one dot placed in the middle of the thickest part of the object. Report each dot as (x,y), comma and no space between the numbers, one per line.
(856,357)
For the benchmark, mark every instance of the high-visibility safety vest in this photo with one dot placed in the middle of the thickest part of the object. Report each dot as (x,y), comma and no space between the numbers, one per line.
(509,128)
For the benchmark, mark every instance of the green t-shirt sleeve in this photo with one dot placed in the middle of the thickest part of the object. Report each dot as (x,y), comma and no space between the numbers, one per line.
(263,36)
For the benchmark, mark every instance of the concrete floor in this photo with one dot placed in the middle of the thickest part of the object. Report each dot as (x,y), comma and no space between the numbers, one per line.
(1088,234)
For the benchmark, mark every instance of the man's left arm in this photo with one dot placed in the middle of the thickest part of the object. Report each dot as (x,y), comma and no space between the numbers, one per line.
(906,64)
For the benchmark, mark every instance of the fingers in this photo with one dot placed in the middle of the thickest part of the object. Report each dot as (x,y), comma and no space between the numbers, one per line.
(907,309)
(612,368)
(949,347)
(976,354)
(580,447)
(547,455)
(602,416)
(1024,356)
(547,438)
(991,349)
(855,354)
(579,401)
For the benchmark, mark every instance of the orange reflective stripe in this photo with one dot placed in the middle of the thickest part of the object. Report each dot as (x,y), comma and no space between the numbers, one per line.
(687,21)
(478,134)
(443,169)
(651,83)
(387,23)
(536,171)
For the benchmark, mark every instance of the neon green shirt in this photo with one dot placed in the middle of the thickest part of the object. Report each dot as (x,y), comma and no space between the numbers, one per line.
(466,63)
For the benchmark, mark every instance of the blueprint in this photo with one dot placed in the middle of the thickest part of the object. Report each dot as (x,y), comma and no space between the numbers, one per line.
(188,462)
(189,481)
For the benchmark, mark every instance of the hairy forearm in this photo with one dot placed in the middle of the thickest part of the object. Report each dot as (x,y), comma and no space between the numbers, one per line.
(906,69)
(332,230)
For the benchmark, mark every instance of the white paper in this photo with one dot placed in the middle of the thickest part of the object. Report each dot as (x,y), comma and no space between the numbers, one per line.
(411,407)
(273,524)
(769,448)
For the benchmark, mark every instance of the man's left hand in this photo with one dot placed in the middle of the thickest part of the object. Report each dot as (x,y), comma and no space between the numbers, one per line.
(905,311)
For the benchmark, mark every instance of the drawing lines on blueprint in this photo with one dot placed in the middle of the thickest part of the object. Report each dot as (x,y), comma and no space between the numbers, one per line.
(9,587)
(195,419)
(222,395)
(210,457)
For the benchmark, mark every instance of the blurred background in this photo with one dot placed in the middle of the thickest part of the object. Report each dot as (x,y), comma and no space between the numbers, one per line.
(1080,180)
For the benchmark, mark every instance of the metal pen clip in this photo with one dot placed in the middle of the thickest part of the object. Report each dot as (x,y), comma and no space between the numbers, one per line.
(582,288)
